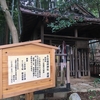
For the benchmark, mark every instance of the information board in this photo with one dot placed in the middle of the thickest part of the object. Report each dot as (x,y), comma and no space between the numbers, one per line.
(28,68)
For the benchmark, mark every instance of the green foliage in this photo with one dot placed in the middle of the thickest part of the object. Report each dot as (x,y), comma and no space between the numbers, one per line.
(92,6)
(96,82)
(65,19)
(45,4)
(92,94)
(63,23)
(63,6)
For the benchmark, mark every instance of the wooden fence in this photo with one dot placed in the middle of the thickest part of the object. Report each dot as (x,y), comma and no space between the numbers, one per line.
(66,61)
(82,62)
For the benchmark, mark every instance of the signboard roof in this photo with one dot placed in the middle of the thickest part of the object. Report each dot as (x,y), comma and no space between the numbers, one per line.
(35,42)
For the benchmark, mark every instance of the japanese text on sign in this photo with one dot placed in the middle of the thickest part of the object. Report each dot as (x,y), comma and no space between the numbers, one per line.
(28,68)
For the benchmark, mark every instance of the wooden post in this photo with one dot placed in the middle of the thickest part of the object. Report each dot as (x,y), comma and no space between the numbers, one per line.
(85,62)
(82,63)
(68,72)
(1,74)
(79,73)
(73,58)
(88,63)
(76,70)
(56,63)
(42,33)
(76,65)
(68,76)
(29,96)
(71,61)
(62,70)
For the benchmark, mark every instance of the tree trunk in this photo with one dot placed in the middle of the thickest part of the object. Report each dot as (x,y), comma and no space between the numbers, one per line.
(6,33)
(19,18)
(12,28)
(9,21)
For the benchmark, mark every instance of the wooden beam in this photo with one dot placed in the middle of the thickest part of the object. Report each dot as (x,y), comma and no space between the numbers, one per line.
(68,37)
(59,41)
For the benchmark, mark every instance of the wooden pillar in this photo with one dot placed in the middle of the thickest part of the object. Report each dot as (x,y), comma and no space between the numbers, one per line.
(71,61)
(68,76)
(88,63)
(1,75)
(76,61)
(42,33)
(76,69)
(79,72)
(82,62)
(29,96)
(85,63)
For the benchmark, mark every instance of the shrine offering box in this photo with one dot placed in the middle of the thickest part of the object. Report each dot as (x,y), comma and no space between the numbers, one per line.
(26,67)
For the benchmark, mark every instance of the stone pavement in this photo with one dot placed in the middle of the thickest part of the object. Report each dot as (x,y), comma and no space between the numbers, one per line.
(84,85)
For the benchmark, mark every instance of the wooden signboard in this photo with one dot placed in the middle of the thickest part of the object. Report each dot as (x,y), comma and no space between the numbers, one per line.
(26,67)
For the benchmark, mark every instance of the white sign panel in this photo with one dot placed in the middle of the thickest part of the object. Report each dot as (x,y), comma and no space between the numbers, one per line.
(28,68)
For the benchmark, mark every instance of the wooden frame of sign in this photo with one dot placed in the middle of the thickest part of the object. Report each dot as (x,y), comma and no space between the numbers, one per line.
(26,67)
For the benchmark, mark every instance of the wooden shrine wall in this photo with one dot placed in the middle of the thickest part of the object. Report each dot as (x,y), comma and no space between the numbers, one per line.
(22,88)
